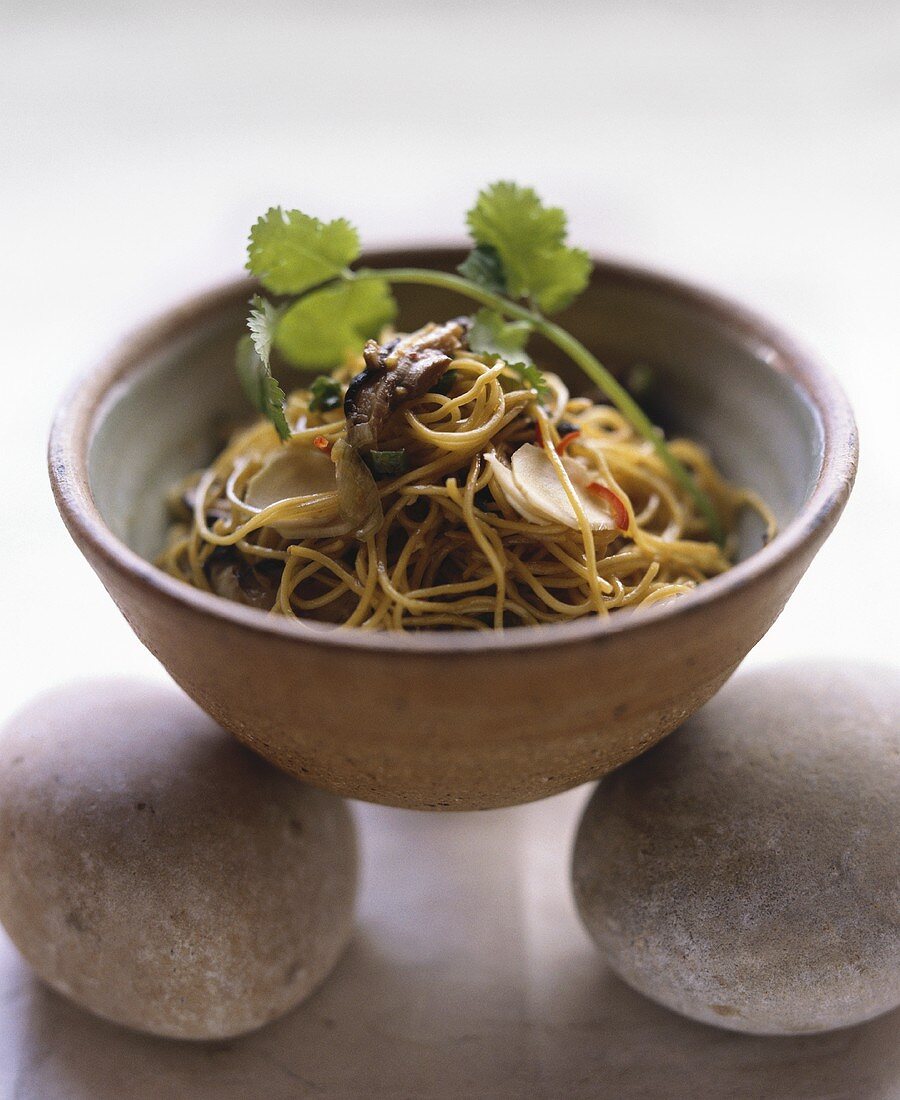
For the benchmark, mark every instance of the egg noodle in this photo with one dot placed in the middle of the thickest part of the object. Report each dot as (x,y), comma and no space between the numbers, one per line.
(510,512)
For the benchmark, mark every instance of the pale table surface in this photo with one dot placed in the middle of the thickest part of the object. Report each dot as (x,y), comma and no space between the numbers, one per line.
(751,147)
(470,976)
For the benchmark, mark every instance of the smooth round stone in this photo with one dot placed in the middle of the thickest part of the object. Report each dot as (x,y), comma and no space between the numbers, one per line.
(159,874)
(746,872)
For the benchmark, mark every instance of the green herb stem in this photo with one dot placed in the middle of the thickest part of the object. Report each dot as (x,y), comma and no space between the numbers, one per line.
(577,352)
(635,415)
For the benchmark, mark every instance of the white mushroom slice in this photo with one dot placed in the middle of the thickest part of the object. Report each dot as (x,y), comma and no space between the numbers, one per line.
(507,482)
(538,482)
(303,475)
(559,394)
(358,497)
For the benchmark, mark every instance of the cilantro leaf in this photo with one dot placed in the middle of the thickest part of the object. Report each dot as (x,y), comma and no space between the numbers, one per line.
(490,334)
(532,379)
(289,251)
(387,462)
(321,329)
(260,387)
(263,323)
(529,239)
(326,394)
(254,371)
(484,268)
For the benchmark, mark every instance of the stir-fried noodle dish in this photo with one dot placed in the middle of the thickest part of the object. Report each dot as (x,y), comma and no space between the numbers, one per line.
(425,485)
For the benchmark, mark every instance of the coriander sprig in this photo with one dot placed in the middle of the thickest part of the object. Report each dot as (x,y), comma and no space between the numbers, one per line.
(520,270)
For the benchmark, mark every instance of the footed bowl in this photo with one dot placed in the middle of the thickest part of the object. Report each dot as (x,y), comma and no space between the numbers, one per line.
(457,720)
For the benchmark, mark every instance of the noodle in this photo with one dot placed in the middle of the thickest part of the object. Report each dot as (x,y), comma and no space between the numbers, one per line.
(465,542)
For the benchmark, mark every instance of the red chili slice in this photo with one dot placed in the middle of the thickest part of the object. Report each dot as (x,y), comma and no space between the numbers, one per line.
(619,511)
(323,444)
(568,438)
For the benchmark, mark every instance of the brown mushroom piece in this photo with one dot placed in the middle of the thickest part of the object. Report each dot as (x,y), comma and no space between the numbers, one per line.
(398,371)
(240,582)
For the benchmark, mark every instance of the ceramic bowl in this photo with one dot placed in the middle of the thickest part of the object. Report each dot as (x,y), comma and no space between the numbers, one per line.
(458,720)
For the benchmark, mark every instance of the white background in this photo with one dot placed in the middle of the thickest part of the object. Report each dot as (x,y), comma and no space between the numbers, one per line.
(752,147)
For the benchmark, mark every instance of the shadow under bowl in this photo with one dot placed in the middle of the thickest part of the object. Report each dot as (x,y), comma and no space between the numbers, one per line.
(458,720)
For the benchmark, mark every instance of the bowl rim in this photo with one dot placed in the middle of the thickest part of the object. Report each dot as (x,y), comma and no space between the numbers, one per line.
(82,407)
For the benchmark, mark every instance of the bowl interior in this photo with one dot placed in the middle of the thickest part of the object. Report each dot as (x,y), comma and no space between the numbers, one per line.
(715,377)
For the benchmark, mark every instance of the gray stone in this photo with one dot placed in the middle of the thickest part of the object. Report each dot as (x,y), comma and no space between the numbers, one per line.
(746,872)
(159,874)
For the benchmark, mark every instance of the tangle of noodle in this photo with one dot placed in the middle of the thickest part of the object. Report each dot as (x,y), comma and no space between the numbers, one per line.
(452,551)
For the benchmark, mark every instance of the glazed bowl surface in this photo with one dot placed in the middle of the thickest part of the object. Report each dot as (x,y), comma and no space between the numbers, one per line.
(458,720)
